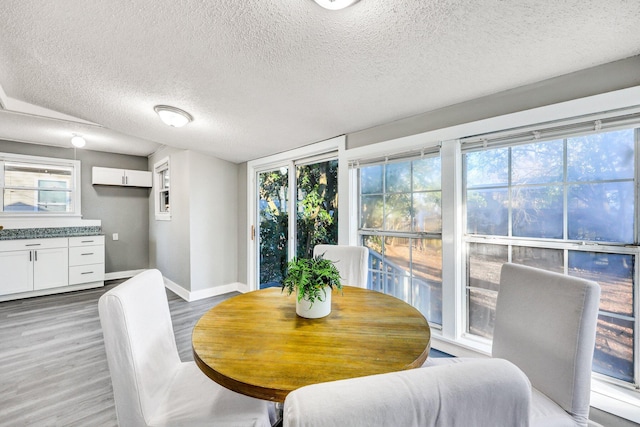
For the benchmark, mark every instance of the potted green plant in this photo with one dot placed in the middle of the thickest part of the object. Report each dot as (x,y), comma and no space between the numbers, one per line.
(313,279)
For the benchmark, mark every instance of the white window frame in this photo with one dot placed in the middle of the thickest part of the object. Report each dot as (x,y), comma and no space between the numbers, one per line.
(606,395)
(432,152)
(158,187)
(74,192)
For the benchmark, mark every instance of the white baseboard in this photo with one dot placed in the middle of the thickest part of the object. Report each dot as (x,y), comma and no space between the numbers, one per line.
(243,288)
(51,291)
(204,293)
(176,289)
(116,275)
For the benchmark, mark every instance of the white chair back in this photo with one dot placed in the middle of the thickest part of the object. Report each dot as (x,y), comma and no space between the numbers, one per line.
(483,392)
(351,261)
(546,324)
(140,345)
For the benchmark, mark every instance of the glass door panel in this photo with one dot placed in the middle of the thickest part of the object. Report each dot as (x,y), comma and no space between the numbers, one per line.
(316,206)
(273,227)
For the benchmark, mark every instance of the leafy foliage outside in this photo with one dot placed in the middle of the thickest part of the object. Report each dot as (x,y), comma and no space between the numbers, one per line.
(311,277)
(273,226)
(316,215)
(317,209)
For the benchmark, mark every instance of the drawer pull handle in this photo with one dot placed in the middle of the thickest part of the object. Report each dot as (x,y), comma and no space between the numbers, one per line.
(34,244)
(88,253)
(86,241)
(87,272)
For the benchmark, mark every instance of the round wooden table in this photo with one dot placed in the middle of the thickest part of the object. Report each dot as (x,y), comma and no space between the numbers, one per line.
(255,344)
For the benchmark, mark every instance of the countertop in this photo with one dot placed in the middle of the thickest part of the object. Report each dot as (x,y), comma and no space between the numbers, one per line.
(48,232)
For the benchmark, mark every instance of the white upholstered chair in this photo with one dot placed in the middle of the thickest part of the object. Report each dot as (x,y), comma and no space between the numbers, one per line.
(151,386)
(489,392)
(351,261)
(546,325)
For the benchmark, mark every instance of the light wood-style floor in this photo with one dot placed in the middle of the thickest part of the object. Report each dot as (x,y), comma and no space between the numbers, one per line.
(53,366)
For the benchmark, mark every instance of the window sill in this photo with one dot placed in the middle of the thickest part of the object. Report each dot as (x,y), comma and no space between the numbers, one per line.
(31,215)
(606,396)
(615,399)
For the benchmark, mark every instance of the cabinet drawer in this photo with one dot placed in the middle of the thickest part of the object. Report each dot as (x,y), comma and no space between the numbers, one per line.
(86,273)
(84,255)
(86,241)
(28,244)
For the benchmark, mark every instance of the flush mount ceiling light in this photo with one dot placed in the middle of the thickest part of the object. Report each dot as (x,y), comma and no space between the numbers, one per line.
(173,116)
(335,4)
(78,141)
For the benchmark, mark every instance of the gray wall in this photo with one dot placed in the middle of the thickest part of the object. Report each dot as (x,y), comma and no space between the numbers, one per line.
(214,221)
(169,243)
(243,227)
(122,210)
(198,248)
(592,81)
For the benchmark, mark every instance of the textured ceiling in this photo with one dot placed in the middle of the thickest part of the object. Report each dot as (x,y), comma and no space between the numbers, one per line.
(261,77)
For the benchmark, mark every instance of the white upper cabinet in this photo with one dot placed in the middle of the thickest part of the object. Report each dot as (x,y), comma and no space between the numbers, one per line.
(121,177)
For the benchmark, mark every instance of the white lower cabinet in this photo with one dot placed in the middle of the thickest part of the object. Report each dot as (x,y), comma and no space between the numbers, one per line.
(17,272)
(33,266)
(49,268)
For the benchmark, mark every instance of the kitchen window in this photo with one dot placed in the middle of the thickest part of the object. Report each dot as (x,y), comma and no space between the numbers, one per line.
(39,186)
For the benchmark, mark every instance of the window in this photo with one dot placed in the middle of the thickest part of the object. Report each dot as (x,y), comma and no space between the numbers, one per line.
(401,224)
(36,185)
(161,184)
(567,204)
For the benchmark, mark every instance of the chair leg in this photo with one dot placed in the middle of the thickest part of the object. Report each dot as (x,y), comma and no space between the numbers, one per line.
(279,415)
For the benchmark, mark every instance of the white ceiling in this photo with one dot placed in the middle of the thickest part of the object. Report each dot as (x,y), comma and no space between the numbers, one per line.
(264,76)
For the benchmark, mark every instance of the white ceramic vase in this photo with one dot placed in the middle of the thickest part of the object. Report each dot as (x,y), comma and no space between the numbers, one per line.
(320,308)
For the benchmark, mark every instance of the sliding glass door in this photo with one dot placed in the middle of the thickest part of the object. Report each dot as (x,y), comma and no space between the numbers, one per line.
(315,204)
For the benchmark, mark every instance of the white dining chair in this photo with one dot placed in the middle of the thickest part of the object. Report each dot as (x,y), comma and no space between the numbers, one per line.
(546,325)
(151,386)
(490,392)
(351,261)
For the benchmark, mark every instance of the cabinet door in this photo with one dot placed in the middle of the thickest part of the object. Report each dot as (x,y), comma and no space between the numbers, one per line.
(137,178)
(16,272)
(107,176)
(50,268)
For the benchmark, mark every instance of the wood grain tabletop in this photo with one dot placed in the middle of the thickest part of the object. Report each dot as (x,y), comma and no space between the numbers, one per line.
(255,344)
